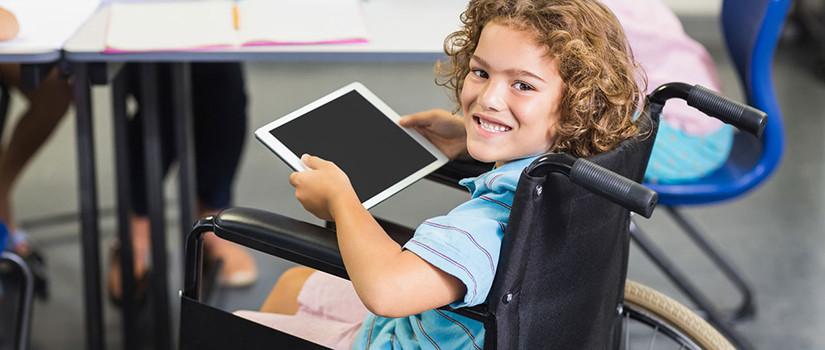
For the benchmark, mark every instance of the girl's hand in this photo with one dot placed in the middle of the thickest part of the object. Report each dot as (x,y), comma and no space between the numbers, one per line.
(390,281)
(323,187)
(445,130)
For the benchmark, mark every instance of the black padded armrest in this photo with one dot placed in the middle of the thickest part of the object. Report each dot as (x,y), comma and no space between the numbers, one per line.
(452,172)
(298,241)
(304,243)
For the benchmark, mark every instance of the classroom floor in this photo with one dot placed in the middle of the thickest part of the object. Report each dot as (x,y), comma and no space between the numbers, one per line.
(774,235)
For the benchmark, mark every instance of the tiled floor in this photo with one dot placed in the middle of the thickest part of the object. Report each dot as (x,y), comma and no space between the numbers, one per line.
(774,235)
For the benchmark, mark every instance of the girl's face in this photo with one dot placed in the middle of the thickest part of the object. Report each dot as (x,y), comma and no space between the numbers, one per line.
(511,97)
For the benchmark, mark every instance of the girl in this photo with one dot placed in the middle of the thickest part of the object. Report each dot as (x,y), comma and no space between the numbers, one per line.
(532,77)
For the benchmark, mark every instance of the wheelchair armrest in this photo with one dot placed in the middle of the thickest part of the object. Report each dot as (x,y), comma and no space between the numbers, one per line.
(452,172)
(298,241)
(302,242)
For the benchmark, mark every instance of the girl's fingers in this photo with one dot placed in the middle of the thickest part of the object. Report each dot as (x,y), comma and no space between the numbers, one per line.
(313,162)
(420,119)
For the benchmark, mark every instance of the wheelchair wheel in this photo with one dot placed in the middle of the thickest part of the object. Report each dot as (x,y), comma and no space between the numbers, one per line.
(655,321)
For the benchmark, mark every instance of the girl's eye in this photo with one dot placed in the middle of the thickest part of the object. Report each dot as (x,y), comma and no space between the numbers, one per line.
(522,86)
(479,73)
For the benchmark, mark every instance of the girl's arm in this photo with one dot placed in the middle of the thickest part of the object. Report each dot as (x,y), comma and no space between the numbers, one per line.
(391,282)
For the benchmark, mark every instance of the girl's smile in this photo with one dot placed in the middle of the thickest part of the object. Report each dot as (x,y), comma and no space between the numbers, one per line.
(491,125)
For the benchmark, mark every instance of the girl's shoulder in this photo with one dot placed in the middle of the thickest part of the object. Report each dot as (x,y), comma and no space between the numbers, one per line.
(501,179)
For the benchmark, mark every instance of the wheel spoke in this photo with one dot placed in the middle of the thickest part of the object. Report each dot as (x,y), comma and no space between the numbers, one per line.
(653,338)
(627,331)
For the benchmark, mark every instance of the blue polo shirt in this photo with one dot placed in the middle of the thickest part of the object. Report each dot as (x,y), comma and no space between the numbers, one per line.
(464,243)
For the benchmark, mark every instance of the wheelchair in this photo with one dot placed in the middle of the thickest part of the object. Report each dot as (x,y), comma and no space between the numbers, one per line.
(561,278)
(16,298)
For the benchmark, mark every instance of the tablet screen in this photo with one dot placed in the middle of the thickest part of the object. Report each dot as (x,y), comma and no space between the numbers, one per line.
(351,132)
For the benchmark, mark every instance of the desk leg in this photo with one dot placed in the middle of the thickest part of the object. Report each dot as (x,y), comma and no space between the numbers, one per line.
(90,232)
(154,189)
(182,89)
(123,180)
(34,74)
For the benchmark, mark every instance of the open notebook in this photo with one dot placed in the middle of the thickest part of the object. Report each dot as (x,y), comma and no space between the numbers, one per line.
(202,25)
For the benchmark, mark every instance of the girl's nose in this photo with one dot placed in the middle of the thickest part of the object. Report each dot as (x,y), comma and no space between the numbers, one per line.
(492,96)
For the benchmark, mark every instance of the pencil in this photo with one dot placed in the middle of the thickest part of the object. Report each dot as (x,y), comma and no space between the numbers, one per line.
(235,15)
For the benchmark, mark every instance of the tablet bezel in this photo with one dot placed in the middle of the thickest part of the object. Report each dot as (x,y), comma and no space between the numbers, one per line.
(294,161)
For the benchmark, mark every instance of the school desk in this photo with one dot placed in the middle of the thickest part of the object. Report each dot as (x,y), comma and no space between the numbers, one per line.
(37,48)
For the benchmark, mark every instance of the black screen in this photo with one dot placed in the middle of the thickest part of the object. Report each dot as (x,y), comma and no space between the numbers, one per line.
(349,131)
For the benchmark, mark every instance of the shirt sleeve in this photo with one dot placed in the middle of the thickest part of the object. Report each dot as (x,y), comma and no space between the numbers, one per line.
(466,243)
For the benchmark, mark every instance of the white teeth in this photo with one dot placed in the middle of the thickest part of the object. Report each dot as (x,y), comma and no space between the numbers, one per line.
(492,127)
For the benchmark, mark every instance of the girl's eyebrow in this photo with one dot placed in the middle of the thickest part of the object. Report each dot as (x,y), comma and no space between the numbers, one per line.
(511,71)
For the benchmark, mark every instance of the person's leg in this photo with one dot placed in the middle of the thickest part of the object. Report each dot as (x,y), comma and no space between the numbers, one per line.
(283,298)
(46,106)
(314,306)
(303,290)
(219,106)
(141,245)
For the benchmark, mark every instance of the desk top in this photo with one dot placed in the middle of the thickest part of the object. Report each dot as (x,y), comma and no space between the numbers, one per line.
(400,30)
(45,25)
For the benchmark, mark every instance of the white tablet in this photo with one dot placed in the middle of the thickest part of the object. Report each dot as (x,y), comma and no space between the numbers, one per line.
(359,133)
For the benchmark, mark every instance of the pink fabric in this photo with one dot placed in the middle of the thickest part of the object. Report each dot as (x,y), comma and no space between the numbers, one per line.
(667,54)
(330,313)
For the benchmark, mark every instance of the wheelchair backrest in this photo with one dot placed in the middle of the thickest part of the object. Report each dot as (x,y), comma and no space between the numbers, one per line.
(563,263)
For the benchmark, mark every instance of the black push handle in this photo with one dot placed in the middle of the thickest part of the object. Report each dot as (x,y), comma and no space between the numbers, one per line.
(738,114)
(616,188)
(729,111)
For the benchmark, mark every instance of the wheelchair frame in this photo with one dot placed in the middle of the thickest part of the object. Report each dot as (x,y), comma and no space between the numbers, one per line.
(23,315)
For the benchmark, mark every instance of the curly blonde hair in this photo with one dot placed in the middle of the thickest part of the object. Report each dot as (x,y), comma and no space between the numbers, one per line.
(601,79)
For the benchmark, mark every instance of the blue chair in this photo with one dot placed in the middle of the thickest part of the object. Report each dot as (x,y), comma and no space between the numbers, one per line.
(751,29)
(4,232)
